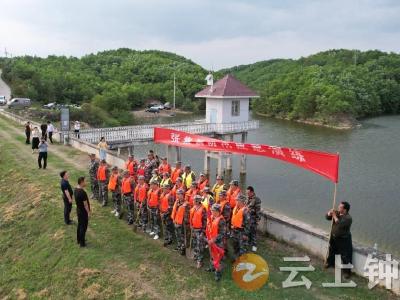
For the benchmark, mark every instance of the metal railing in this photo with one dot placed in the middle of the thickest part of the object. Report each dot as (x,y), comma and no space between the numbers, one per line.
(145,132)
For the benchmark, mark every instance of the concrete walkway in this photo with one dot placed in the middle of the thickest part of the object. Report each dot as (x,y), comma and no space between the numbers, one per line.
(4,88)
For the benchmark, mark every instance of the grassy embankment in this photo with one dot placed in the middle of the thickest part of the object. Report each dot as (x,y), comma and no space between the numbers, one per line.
(40,257)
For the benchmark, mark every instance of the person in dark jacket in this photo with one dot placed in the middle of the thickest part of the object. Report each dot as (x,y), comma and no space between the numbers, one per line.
(43,128)
(82,210)
(340,242)
(67,194)
(28,130)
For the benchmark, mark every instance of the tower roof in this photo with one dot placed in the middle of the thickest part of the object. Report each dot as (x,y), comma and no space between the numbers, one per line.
(227,87)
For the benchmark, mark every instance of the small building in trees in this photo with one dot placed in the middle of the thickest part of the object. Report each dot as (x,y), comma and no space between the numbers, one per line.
(227,100)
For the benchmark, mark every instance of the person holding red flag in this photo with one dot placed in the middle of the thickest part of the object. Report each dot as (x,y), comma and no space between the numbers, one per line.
(216,231)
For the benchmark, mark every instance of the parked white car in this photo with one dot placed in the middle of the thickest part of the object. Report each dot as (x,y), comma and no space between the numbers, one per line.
(3,100)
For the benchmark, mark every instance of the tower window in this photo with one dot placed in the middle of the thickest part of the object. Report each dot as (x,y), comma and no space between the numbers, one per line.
(236,108)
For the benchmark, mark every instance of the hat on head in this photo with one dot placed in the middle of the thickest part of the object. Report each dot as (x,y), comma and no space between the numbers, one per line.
(154,182)
(142,160)
(154,171)
(219,177)
(206,189)
(164,158)
(130,155)
(115,168)
(197,198)
(166,174)
(103,161)
(194,183)
(179,179)
(202,174)
(166,185)
(216,207)
(126,172)
(91,154)
(141,177)
(188,167)
(178,162)
(234,182)
(180,192)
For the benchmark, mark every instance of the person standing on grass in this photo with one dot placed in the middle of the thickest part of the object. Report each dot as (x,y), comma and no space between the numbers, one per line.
(77,128)
(28,130)
(43,128)
(50,130)
(82,211)
(35,139)
(103,148)
(42,154)
(67,194)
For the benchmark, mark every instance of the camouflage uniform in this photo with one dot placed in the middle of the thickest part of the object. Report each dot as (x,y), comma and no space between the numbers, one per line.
(116,196)
(180,231)
(220,242)
(154,213)
(103,189)
(168,226)
(151,164)
(226,213)
(143,214)
(198,238)
(240,236)
(254,206)
(93,166)
(129,205)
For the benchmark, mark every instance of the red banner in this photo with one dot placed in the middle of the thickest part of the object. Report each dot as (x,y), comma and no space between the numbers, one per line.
(323,163)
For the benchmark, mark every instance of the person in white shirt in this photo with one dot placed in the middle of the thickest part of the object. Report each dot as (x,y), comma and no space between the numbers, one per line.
(50,130)
(77,127)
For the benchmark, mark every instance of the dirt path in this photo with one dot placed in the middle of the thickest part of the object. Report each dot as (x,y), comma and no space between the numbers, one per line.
(77,159)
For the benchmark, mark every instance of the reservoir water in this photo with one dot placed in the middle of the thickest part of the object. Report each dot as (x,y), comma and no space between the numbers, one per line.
(369,175)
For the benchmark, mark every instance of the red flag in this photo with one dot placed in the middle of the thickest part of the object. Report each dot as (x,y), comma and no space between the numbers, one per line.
(322,163)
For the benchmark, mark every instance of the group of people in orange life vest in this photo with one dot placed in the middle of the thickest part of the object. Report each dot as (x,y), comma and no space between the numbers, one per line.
(185,207)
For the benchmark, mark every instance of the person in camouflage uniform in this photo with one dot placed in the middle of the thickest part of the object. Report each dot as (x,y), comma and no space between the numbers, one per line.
(180,224)
(150,165)
(114,185)
(140,197)
(127,189)
(254,205)
(153,202)
(240,227)
(93,167)
(103,175)
(166,204)
(198,223)
(216,234)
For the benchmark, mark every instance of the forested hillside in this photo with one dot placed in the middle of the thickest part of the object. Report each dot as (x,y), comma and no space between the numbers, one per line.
(109,84)
(327,87)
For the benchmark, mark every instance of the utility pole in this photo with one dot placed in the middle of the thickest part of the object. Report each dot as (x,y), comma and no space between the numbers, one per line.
(5,52)
(174,89)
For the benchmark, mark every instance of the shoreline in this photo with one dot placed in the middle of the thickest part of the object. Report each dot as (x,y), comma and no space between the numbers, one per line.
(345,125)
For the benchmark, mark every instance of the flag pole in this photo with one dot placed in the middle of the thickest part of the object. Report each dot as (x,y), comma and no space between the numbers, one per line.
(330,231)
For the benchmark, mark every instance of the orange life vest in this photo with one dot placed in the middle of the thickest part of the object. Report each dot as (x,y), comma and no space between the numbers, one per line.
(175,174)
(101,173)
(203,184)
(112,184)
(190,194)
(130,166)
(196,217)
(141,192)
(178,213)
(141,171)
(153,197)
(164,168)
(231,196)
(164,202)
(222,204)
(213,227)
(237,217)
(126,186)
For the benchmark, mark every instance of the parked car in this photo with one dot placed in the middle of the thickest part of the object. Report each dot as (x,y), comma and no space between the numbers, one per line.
(50,105)
(158,106)
(167,106)
(153,109)
(19,103)
(151,105)
(3,100)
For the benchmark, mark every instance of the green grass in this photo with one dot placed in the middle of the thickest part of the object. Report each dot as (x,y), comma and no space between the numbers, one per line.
(40,257)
